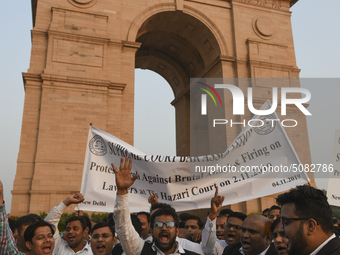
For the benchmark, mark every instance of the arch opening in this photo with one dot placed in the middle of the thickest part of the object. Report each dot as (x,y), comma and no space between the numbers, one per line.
(178,47)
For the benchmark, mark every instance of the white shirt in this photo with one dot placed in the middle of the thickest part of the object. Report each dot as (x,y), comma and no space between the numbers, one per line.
(322,245)
(60,246)
(210,244)
(128,236)
(262,253)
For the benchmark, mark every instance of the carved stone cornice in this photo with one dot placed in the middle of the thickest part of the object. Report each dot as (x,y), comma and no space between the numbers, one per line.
(274,4)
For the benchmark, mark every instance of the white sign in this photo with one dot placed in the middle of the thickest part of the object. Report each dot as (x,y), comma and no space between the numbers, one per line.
(333,192)
(258,163)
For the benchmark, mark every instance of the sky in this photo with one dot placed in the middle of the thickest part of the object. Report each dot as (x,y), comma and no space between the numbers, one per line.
(316,37)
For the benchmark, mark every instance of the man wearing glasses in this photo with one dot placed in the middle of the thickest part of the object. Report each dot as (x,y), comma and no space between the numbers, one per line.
(102,239)
(306,219)
(163,222)
(210,244)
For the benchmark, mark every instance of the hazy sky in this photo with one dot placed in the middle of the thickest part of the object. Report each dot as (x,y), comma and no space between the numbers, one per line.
(316,37)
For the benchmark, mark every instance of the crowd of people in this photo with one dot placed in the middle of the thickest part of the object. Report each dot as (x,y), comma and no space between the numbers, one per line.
(300,224)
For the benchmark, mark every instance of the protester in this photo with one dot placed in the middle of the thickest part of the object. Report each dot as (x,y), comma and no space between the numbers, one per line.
(76,229)
(22,223)
(255,238)
(279,237)
(220,226)
(226,212)
(194,226)
(102,239)
(232,231)
(163,222)
(211,245)
(274,213)
(185,243)
(39,238)
(144,218)
(38,235)
(7,242)
(307,222)
(265,212)
(118,249)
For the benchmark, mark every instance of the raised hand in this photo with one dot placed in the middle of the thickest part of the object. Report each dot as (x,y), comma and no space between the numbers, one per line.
(153,198)
(75,198)
(215,204)
(123,176)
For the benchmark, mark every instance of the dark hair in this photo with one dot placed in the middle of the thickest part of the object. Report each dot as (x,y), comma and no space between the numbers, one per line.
(164,211)
(12,225)
(74,218)
(274,207)
(159,206)
(110,219)
(29,232)
(276,222)
(88,222)
(24,221)
(136,223)
(309,203)
(34,216)
(103,225)
(199,221)
(238,215)
(184,216)
(265,210)
(146,214)
(225,211)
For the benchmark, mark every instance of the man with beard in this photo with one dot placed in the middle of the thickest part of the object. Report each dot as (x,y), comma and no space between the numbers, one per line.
(255,238)
(306,219)
(76,229)
(163,222)
(211,244)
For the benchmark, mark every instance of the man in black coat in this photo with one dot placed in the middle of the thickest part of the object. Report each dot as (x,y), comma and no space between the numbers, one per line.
(255,238)
(306,219)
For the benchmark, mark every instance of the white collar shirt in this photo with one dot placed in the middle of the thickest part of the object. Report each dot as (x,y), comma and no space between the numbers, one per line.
(262,253)
(322,245)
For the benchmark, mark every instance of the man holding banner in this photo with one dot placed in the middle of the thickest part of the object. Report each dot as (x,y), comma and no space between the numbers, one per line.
(163,223)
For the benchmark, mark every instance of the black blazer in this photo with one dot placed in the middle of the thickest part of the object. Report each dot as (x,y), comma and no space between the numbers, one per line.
(234,249)
(331,248)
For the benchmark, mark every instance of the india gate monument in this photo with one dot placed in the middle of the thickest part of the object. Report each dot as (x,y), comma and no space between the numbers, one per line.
(83,60)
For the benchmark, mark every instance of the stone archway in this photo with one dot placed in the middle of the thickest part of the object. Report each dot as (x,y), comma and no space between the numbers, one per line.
(83,58)
(177,46)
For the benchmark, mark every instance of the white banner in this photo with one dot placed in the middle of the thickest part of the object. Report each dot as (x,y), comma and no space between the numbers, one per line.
(333,191)
(261,161)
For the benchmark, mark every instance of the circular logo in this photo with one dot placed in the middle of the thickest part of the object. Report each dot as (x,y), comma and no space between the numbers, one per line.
(97,146)
(83,3)
(268,125)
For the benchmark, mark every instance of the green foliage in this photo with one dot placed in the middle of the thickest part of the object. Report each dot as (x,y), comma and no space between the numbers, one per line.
(43,215)
(97,217)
